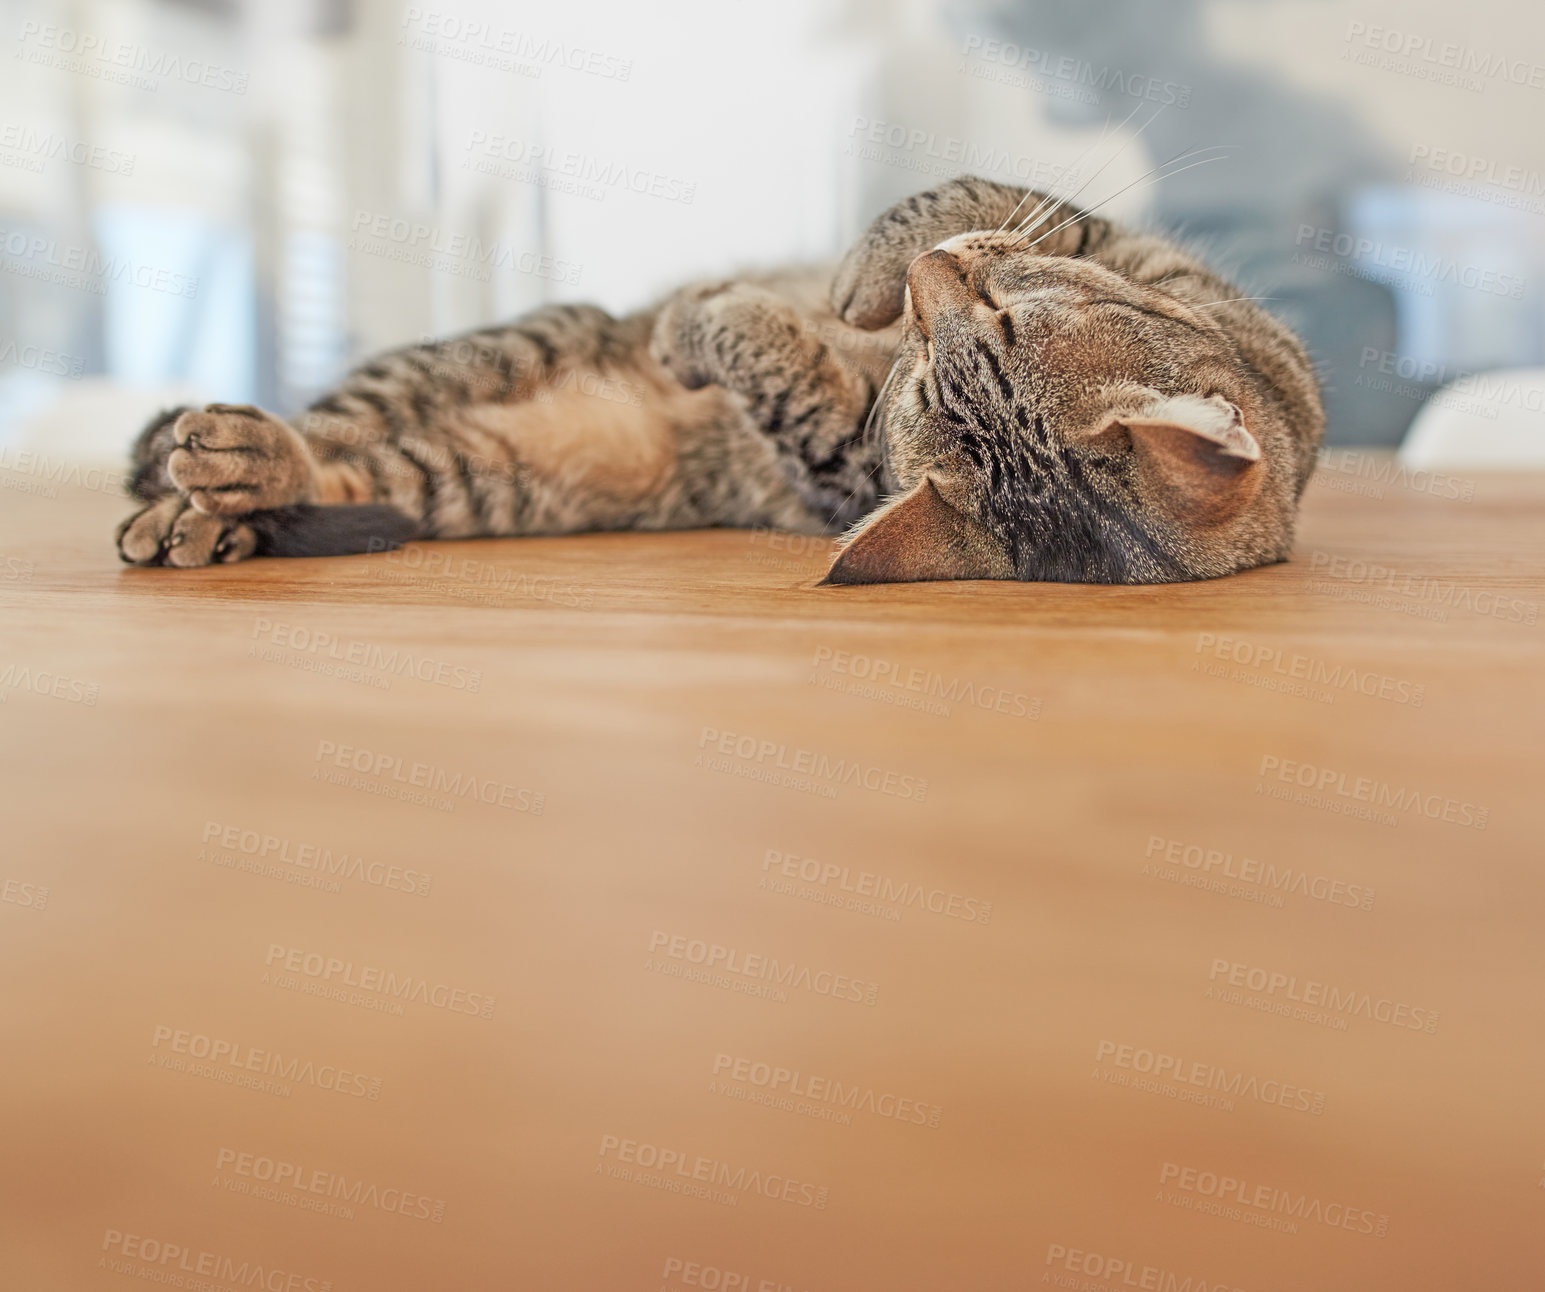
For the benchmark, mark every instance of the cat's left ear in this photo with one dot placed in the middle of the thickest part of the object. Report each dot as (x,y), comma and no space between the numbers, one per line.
(921,538)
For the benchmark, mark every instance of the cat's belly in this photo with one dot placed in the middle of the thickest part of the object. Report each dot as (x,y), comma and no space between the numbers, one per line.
(641,446)
(617,447)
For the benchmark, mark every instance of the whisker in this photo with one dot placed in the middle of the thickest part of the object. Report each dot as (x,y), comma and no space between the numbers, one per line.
(1208,305)
(1074,219)
(1047,199)
(1180,156)
(869,422)
(878,463)
(1072,197)
(1051,199)
(879,396)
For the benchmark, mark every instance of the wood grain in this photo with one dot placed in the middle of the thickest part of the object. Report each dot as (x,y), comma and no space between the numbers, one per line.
(1059,905)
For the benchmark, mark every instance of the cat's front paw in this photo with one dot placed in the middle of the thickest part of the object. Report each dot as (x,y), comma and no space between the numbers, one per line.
(869,289)
(171,531)
(683,334)
(233,458)
(729,334)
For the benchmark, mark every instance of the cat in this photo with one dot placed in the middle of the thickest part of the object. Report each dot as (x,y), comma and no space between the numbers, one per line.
(993,384)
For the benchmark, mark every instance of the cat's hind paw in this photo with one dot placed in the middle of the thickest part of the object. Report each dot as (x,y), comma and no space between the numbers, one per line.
(171,531)
(233,458)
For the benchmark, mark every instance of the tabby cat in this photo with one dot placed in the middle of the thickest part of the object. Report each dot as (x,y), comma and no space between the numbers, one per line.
(970,397)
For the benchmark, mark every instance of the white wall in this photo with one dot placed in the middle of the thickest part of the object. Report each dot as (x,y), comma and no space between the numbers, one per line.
(751,124)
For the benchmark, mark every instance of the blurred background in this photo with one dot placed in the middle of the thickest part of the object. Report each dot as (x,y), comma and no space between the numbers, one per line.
(235,199)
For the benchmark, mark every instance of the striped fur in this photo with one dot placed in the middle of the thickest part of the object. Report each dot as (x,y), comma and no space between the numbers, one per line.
(757,401)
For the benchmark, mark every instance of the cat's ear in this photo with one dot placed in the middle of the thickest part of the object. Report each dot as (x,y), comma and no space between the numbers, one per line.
(920,538)
(1197,457)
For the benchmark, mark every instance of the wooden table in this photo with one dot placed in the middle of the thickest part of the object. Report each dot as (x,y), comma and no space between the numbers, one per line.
(625,913)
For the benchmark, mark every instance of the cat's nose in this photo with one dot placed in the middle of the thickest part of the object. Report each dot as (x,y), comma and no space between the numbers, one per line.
(936,283)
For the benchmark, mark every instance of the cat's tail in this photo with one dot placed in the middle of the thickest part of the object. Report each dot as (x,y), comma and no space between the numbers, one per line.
(307,529)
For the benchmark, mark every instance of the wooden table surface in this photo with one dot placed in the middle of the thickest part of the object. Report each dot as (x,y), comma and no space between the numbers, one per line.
(626,913)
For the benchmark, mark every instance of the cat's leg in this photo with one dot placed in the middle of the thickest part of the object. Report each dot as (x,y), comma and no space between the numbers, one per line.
(202,469)
(870,284)
(794,388)
(555,424)
(548,425)
(230,481)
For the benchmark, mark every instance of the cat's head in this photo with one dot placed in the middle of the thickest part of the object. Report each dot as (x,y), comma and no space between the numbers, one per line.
(1051,419)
